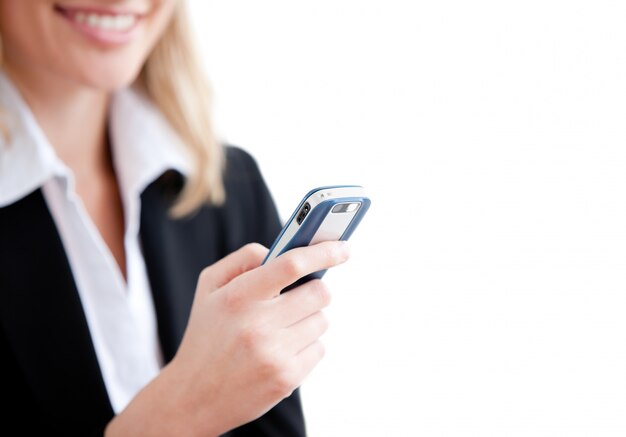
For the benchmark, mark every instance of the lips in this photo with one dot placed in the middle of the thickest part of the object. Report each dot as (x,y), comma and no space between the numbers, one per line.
(106,26)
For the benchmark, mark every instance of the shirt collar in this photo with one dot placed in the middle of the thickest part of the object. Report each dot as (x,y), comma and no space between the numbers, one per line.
(143,143)
(26,158)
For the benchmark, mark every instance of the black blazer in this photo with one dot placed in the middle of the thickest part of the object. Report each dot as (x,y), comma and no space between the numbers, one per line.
(49,370)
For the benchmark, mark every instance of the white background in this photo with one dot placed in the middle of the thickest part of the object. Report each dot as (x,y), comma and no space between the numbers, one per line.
(486,295)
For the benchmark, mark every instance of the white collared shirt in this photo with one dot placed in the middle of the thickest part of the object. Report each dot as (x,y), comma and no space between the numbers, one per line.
(120,315)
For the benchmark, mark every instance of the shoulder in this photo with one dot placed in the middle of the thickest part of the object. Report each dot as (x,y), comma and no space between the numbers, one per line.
(243,180)
(249,202)
(248,213)
(240,165)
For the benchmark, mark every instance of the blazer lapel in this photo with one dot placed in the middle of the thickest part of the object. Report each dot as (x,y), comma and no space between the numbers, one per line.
(43,320)
(175,252)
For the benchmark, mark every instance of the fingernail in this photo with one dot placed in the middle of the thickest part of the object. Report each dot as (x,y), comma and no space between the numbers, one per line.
(345,247)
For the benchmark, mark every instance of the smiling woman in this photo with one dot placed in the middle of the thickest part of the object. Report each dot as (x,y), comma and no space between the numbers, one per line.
(115,196)
(47,38)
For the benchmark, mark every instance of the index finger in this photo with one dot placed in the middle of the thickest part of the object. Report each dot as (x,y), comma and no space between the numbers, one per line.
(267,281)
(223,271)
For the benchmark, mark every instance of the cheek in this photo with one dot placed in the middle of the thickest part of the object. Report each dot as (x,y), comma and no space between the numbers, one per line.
(156,25)
(25,33)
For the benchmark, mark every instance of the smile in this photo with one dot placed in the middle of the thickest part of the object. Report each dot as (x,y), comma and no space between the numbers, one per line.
(104,26)
(106,22)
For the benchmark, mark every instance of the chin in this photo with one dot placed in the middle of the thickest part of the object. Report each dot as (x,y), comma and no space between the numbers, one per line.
(106,72)
(108,80)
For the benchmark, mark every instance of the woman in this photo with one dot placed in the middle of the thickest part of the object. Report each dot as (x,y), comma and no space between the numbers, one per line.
(114,199)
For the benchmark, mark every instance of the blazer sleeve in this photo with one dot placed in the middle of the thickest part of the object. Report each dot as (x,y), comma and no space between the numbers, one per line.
(262,224)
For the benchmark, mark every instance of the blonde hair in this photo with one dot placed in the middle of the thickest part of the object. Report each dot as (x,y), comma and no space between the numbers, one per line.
(173,79)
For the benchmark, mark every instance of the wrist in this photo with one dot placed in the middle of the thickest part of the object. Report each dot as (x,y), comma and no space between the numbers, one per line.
(166,406)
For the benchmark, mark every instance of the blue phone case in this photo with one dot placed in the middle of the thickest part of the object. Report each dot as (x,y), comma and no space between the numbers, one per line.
(313,221)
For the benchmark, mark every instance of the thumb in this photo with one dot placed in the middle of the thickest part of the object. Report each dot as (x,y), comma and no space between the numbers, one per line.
(225,270)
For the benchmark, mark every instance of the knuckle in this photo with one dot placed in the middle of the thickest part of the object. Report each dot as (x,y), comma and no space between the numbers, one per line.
(284,384)
(293,266)
(323,322)
(268,365)
(204,279)
(275,370)
(336,255)
(321,351)
(250,339)
(255,251)
(321,293)
(233,301)
(317,352)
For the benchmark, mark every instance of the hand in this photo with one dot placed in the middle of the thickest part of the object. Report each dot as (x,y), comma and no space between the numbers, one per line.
(246,347)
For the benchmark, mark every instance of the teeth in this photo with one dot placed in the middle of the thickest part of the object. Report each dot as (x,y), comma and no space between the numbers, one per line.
(106,22)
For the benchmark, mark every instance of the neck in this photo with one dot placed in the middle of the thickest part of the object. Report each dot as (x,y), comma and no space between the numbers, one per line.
(72,116)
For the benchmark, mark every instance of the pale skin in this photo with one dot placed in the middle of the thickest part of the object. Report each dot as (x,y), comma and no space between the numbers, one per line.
(246,346)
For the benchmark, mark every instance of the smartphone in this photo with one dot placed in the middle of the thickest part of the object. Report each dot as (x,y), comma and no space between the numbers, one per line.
(324,214)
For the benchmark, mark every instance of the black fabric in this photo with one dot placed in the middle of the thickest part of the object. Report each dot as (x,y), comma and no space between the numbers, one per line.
(49,367)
